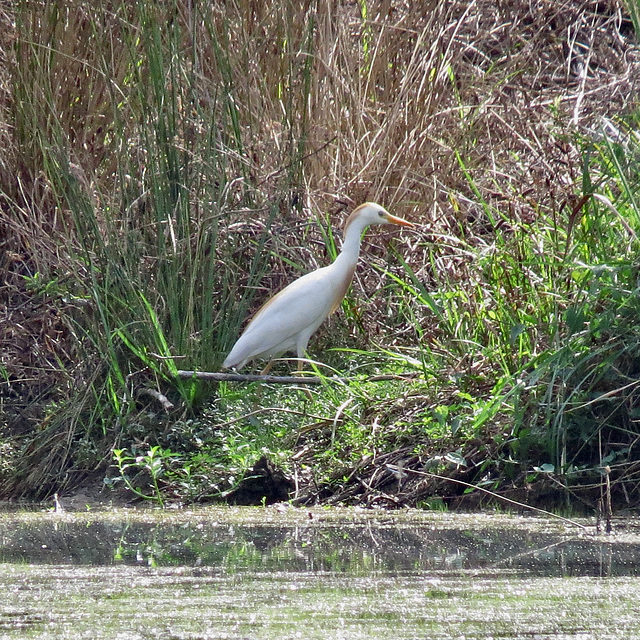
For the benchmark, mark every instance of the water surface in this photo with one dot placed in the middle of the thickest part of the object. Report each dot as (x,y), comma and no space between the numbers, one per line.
(261,573)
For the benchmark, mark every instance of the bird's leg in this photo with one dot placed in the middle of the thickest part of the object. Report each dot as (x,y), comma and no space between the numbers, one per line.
(258,393)
(301,355)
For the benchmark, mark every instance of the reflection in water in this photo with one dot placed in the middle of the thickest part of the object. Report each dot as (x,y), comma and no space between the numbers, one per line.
(355,543)
(254,573)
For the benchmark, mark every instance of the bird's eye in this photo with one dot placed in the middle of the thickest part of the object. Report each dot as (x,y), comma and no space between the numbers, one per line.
(381,214)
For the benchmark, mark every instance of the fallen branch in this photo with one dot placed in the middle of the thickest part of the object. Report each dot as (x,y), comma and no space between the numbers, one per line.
(247,377)
(269,379)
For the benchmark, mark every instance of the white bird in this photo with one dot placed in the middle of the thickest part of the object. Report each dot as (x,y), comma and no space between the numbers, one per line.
(287,321)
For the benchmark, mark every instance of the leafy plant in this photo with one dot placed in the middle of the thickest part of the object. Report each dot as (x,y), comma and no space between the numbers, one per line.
(154,465)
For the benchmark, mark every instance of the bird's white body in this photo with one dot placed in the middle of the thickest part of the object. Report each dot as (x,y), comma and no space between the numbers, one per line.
(288,320)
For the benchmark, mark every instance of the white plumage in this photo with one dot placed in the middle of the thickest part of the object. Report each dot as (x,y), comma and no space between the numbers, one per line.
(287,321)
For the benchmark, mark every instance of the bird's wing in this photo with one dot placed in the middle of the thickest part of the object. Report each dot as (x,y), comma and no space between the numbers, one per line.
(307,300)
(276,327)
(291,315)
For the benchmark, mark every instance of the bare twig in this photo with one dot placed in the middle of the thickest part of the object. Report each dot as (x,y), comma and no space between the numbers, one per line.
(427,474)
(269,379)
(167,405)
(281,170)
(249,377)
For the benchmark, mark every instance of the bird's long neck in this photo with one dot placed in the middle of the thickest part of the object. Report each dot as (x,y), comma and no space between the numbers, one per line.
(351,243)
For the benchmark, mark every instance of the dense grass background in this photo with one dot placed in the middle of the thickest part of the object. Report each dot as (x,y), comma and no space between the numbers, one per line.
(170,165)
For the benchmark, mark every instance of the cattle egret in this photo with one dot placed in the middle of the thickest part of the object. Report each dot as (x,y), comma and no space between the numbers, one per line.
(287,321)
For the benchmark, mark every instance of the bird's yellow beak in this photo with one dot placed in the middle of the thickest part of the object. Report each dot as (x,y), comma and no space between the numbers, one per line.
(400,221)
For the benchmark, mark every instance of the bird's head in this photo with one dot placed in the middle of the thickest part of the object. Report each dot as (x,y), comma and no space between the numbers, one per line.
(371,213)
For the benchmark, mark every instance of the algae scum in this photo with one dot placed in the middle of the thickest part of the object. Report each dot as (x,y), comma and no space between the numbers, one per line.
(259,573)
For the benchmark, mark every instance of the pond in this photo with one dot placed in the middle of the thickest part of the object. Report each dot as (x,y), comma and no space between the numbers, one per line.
(265,573)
